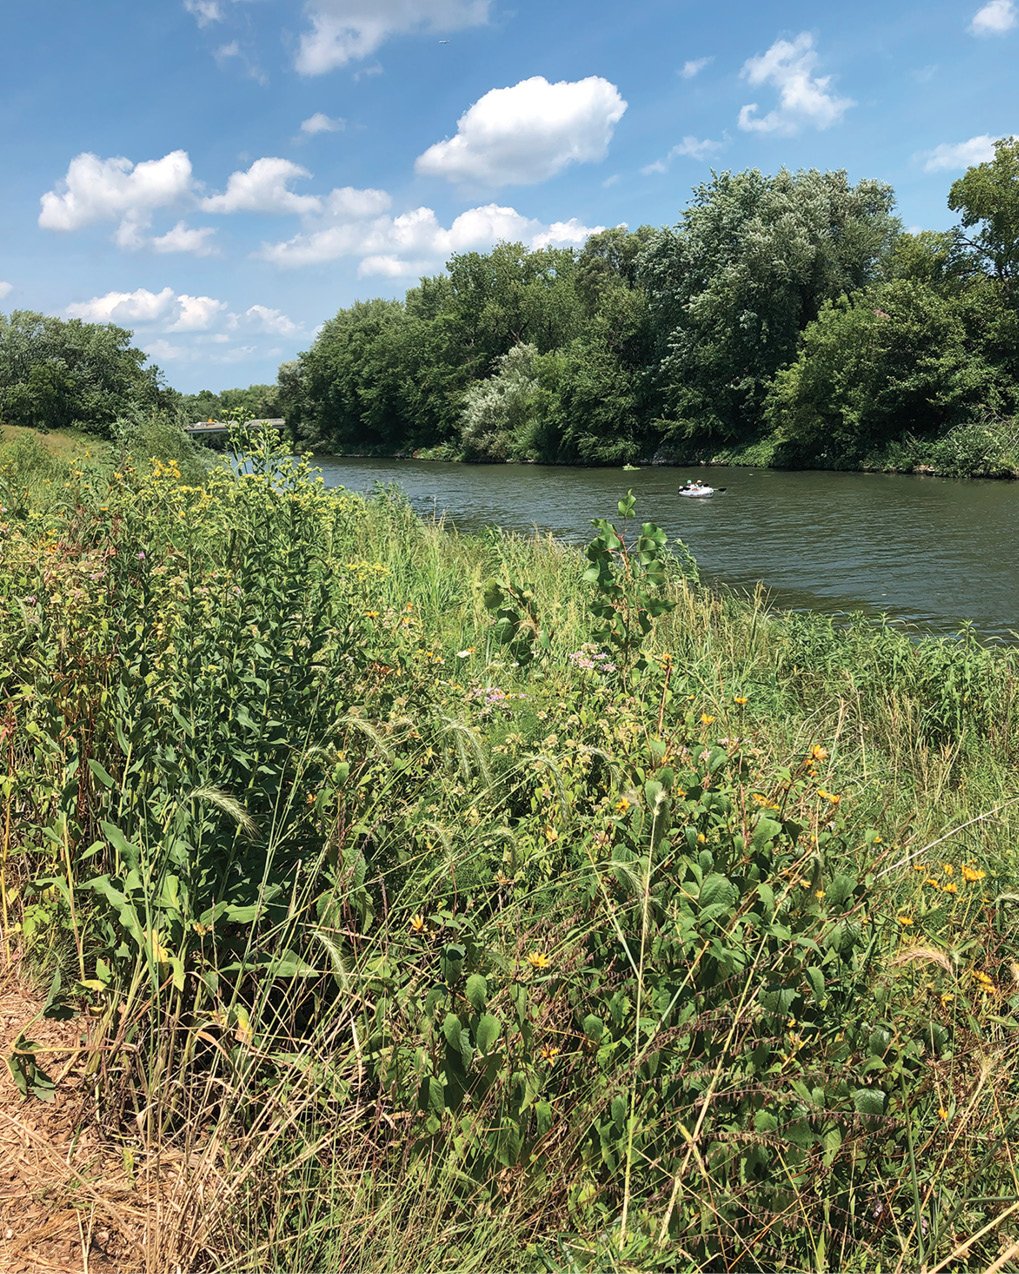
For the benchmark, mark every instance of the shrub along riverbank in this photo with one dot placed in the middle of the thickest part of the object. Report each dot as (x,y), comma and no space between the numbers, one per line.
(468,903)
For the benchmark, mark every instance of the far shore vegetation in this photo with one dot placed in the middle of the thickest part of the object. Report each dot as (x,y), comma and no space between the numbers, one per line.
(415,901)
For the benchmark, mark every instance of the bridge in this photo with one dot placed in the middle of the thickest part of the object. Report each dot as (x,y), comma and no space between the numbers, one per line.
(203,427)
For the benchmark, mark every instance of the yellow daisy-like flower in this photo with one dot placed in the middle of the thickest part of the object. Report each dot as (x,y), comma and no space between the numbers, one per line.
(951,887)
(622,805)
(740,699)
(905,920)
(417,923)
(972,873)
(947,868)
(706,719)
(538,960)
(942,1113)
(549,1053)
(818,753)
(919,866)
(946,999)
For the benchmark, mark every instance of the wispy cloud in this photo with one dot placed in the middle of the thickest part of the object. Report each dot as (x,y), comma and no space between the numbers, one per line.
(997,17)
(691,147)
(953,156)
(805,99)
(322,123)
(694,67)
(344,31)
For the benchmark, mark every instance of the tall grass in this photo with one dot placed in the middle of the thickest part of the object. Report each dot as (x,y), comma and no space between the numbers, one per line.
(406,947)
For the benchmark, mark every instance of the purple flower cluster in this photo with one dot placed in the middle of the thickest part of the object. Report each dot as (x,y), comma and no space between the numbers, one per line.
(592,659)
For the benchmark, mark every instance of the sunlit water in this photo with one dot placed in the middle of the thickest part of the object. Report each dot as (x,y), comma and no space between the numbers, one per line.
(936,553)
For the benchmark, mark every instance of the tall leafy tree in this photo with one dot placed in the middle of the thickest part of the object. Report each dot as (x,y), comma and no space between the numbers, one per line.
(749,265)
(987,195)
(54,374)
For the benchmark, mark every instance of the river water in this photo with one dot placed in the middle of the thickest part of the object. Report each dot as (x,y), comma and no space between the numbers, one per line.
(935,553)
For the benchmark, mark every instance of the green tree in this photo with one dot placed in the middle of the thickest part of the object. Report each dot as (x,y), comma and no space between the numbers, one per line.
(498,421)
(891,360)
(987,195)
(54,374)
(750,264)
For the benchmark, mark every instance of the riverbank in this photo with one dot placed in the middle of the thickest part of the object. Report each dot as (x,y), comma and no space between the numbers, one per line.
(436,902)
(977,450)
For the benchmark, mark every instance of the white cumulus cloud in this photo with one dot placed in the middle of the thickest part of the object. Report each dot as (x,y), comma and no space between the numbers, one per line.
(528,133)
(997,17)
(322,123)
(269,320)
(263,188)
(415,242)
(691,147)
(694,67)
(184,238)
(348,201)
(165,351)
(805,99)
(5,289)
(953,156)
(344,31)
(141,306)
(196,313)
(115,189)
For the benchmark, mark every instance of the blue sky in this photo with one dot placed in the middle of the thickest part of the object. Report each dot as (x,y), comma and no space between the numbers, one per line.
(221,176)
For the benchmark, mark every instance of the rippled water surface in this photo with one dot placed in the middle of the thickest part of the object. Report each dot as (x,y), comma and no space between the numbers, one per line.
(935,552)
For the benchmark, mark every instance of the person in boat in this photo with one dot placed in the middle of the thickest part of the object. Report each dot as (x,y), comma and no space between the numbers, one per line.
(696,485)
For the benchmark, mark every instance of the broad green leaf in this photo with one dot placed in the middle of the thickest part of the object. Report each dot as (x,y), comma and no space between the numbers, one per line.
(477,992)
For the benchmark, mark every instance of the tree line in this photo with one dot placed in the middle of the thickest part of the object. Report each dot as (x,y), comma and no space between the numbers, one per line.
(784,319)
(787,316)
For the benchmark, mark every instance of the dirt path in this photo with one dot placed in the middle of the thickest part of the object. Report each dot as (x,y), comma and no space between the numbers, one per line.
(66,1202)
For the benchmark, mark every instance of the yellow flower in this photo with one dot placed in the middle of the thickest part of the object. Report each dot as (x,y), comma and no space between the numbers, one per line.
(947,868)
(972,873)
(622,805)
(417,923)
(905,920)
(946,999)
(549,1053)
(982,977)
(942,1112)
(951,888)
(818,753)
(919,866)
(819,893)
(740,699)
(667,660)
(538,960)
(935,883)
(551,835)
(705,719)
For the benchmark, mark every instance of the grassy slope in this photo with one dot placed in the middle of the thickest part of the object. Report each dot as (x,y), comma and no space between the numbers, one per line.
(731,1022)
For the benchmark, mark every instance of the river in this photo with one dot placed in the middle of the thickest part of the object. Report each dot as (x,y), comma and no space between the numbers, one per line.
(934,553)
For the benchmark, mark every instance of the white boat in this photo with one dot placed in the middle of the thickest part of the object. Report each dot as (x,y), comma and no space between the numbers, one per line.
(696,489)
